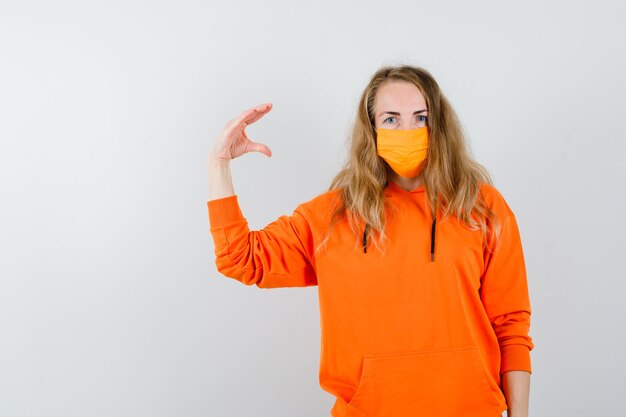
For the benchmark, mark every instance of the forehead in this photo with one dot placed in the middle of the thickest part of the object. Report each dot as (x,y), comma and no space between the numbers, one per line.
(398,95)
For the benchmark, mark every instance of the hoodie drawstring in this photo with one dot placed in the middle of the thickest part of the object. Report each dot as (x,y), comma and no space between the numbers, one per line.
(365,239)
(432,233)
(432,237)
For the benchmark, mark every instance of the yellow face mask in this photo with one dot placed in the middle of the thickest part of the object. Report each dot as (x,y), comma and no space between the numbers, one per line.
(404,150)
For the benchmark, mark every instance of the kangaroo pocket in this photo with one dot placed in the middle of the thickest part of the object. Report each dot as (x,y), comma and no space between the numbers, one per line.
(435,383)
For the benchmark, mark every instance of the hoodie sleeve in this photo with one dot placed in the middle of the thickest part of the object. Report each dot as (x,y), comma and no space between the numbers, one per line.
(279,255)
(504,294)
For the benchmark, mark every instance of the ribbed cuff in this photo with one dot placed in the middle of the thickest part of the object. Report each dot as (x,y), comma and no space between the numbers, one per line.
(515,358)
(224,210)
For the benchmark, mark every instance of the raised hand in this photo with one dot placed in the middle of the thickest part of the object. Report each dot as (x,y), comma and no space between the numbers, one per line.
(233,141)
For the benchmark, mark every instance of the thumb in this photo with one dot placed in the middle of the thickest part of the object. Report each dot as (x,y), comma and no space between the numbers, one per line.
(259,147)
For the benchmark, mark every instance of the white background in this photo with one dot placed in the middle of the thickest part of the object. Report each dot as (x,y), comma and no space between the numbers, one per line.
(110,302)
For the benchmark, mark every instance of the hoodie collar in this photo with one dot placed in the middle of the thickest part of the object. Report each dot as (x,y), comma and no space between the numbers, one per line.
(392,188)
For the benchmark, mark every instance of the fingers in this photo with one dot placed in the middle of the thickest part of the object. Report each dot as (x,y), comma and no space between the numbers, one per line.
(251,115)
(258,112)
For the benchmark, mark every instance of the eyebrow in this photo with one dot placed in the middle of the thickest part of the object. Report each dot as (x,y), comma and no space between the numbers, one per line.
(395,113)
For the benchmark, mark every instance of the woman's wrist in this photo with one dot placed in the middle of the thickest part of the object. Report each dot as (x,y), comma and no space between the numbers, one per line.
(220,181)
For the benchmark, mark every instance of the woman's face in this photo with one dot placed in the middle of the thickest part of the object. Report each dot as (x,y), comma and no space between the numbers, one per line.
(399,105)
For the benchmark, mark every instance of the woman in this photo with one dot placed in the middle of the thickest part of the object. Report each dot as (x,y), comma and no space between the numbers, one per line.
(418,260)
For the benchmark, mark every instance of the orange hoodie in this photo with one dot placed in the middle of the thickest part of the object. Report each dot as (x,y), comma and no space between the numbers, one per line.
(403,335)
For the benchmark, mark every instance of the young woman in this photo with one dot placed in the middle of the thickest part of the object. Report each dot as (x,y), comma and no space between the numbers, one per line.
(417,257)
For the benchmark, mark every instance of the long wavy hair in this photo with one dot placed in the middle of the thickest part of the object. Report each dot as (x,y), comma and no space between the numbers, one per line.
(451,177)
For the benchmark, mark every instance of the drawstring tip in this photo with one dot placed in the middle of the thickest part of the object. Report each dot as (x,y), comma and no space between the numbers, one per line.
(432,257)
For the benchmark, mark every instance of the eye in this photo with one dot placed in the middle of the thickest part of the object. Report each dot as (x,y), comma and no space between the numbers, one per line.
(390,117)
(422,118)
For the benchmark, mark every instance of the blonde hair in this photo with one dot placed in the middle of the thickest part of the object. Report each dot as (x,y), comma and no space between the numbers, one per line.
(451,177)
